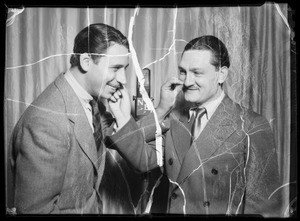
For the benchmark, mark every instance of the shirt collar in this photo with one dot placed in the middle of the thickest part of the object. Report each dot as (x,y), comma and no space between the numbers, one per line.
(210,107)
(79,90)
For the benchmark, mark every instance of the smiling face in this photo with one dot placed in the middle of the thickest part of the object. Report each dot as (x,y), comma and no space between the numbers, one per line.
(200,77)
(105,77)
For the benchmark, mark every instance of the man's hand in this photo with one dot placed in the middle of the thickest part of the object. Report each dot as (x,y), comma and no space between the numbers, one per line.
(119,104)
(168,94)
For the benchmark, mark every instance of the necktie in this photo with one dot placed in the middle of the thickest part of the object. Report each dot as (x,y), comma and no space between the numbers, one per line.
(197,122)
(96,124)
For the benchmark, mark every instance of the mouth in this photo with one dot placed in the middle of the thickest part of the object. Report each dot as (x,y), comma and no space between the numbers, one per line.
(114,88)
(188,89)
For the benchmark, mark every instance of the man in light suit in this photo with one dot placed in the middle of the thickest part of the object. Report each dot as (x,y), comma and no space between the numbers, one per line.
(220,158)
(57,149)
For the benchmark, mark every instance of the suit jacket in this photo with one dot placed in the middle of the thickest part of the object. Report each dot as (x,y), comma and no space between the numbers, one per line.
(56,165)
(230,169)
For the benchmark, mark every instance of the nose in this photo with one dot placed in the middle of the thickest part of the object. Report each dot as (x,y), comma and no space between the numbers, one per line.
(121,77)
(189,79)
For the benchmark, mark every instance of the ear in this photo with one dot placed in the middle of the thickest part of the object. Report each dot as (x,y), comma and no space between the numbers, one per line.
(85,62)
(223,72)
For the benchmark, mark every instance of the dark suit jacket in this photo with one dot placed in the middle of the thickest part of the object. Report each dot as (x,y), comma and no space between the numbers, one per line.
(230,169)
(55,162)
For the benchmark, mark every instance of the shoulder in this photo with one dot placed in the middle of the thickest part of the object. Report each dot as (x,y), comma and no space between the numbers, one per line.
(48,107)
(244,115)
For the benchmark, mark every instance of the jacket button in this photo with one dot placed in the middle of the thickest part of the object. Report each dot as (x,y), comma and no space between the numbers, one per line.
(214,171)
(174,196)
(206,204)
(170,161)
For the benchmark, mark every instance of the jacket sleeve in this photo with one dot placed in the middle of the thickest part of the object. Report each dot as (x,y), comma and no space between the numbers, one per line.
(40,159)
(262,195)
(135,142)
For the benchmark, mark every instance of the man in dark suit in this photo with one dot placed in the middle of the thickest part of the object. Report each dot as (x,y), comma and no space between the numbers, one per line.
(220,158)
(57,150)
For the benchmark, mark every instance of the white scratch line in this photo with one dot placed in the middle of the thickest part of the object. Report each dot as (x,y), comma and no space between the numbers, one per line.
(288,209)
(248,150)
(105,14)
(280,188)
(149,204)
(141,79)
(184,199)
(127,185)
(56,55)
(26,65)
(282,16)
(172,45)
(41,108)
(15,12)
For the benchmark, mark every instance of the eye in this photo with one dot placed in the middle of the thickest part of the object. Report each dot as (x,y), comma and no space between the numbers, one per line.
(196,73)
(181,72)
(115,69)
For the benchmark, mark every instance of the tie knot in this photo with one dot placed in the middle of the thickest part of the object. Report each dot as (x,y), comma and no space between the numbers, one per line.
(199,111)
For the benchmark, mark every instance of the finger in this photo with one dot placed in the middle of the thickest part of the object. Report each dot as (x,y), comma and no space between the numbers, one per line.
(124,93)
(175,80)
(116,95)
(178,88)
(123,90)
(113,99)
(119,93)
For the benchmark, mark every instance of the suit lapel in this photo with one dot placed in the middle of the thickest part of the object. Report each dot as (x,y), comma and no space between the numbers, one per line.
(210,142)
(180,132)
(75,112)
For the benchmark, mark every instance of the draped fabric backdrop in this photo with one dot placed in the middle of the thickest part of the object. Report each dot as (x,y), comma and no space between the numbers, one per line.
(39,42)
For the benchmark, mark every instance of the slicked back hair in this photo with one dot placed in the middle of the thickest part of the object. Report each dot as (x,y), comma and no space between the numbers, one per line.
(220,56)
(95,39)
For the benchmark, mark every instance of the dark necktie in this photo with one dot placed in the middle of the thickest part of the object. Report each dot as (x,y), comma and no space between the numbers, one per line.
(96,124)
(197,122)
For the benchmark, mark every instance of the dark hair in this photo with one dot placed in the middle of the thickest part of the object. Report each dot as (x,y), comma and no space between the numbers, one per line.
(96,39)
(219,51)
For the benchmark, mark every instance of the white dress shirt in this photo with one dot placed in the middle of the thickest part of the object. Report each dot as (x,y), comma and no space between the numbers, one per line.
(83,96)
(210,110)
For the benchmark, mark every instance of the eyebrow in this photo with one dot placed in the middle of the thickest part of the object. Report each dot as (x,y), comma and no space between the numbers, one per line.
(196,69)
(119,66)
(192,69)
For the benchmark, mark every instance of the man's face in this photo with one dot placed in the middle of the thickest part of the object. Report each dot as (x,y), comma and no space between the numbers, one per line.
(200,77)
(109,74)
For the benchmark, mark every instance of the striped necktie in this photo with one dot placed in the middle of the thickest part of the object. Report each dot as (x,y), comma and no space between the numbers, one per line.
(197,122)
(97,126)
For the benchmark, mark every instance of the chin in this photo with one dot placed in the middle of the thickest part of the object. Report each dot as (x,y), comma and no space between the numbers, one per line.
(191,98)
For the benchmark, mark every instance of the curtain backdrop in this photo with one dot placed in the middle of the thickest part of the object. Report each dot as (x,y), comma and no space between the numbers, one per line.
(39,42)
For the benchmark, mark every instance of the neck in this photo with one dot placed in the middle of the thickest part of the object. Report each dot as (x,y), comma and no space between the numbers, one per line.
(80,78)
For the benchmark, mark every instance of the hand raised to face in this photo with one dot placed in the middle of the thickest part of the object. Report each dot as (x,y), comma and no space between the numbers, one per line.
(119,104)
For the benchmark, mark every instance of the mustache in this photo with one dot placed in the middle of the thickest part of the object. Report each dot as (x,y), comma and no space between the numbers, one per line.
(185,88)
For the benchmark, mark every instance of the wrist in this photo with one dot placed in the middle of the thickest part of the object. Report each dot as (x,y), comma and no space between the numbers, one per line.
(121,121)
(161,112)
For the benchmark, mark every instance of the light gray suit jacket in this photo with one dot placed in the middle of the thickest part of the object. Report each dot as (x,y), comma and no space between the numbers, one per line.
(55,162)
(230,169)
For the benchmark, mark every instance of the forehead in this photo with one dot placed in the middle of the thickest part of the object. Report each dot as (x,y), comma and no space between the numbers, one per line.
(195,58)
(117,51)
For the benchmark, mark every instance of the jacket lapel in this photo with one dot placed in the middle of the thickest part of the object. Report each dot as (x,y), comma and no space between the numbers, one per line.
(210,142)
(180,132)
(75,112)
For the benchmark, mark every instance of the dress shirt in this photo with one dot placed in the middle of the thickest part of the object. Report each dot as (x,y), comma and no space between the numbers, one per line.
(83,96)
(210,109)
